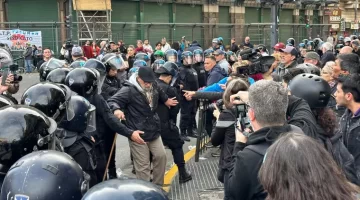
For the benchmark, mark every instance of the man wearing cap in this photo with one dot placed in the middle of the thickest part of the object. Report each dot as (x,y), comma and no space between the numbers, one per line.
(311,63)
(221,61)
(139,99)
(328,55)
(288,57)
(347,41)
(77,54)
(169,132)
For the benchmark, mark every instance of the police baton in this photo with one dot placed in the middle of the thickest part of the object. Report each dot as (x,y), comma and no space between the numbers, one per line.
(108,162)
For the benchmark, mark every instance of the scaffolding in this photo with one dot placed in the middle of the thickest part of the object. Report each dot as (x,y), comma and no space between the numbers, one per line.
(94,19)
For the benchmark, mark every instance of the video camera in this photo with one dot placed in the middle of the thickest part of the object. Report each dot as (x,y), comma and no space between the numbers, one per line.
(69,45)
(259,64)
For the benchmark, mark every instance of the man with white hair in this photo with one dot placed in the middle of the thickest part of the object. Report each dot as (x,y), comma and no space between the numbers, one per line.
(328,55)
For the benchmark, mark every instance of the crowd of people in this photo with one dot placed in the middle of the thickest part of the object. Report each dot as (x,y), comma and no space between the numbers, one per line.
(287,123)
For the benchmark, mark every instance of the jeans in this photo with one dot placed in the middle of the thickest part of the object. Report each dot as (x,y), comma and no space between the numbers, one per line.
(28,65)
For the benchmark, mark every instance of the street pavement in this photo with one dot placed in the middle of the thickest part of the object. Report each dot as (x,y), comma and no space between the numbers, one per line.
(122,145)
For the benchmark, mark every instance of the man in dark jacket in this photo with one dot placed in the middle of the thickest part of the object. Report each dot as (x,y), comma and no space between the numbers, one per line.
(348,95)
(328,54)
(194,45)
(215,72)
(287,60)
(234,46)
(169,132)
(28,56)
(268,123)
(139,98)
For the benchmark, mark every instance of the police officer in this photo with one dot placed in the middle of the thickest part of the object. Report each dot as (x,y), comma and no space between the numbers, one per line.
(48,66)
(84,82)
(189,81)
(112,83)
(199,67)
(77,142)
(125,190)
(215,44)
(143,56)
(28,127)
(169,132)
(45,175)
(157,64)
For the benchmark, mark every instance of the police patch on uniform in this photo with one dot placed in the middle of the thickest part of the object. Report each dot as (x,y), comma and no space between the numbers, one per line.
(71,81)
(21,197)
(27,101)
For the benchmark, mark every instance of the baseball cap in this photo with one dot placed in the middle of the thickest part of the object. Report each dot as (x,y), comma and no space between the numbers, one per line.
(162,70)
(356,43)
(219,52)
(347,39)
(76,51)
(312,55)
(279,45)
(146,74)
(289,49)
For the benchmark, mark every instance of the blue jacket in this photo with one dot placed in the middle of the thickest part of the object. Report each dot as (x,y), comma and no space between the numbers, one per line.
(217,88)
(215,75)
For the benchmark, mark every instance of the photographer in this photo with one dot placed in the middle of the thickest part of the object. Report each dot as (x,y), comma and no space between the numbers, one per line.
(224,133)
(268,123)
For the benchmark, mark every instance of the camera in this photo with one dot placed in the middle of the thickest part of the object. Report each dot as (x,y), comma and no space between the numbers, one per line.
(242,119)
(69,45)
(13,68)
(261,64)
(219,104)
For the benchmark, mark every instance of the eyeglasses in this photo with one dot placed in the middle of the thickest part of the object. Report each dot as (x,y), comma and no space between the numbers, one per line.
(217,55)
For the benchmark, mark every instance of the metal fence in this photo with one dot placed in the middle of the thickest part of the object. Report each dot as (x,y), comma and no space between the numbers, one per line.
(203,33)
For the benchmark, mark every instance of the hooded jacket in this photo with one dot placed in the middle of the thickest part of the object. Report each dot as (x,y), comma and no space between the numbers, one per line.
(215,75)
(140,113)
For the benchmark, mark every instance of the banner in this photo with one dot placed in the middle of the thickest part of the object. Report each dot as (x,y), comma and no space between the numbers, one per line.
(18,39)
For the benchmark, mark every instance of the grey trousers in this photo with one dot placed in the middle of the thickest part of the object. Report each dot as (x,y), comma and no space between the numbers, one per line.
(141,157)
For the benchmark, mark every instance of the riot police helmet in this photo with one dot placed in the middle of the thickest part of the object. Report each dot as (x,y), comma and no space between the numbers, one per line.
(100,71)
(208,52)
(23,129)
(113,61)
(198,56)
(58,75)
(143,56)
(290,42)
(130,189)
(6,58)
(136,65)
(83,81)
(187,58)
(48,66)
(305,41)
(157,64)
(77,64)
(50,98)
(341,38)
(5,101)
(171,55)
(302,46)
(45,175)
(169,68)
(312,88)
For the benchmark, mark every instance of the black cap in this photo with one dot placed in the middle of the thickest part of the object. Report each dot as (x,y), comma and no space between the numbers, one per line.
(162,70)
(146,74)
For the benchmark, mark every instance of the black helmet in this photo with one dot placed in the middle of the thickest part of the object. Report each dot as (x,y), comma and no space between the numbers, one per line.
(6,58)
(84,116)
(315,90)
(112,61)
(157,64)
(83,81)
(100,71)
(58,75)
(208,52)
(45,175)
(143,56)
(77,64)
(198,55)
(131,189)
(5,101)
(49,98)
(48,66)
(23,130)
(171,55)
(169,68)
(291,42)
(187,57)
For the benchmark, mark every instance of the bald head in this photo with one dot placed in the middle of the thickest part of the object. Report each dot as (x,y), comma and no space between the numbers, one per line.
(345,50)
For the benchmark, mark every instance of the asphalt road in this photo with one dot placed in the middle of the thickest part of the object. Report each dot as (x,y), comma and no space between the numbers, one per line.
(122,145)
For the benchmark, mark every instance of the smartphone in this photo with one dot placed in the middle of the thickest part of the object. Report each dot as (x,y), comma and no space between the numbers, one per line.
(4,77)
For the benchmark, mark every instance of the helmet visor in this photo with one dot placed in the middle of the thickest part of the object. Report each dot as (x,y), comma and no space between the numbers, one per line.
(116,62)
(91,119)
(6,58)
(171,58)
(198,58)
(188,60)
(54,63)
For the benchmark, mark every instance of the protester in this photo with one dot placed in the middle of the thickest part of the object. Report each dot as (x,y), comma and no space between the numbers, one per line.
(328,54)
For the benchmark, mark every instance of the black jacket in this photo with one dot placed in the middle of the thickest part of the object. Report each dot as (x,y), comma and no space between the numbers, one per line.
(110,87)
(327,56)
(339,110)
(202,75)
(243,181)
(234,47)
(106,122)
(139,114)
(188,78)
(224,134)
(169,132)
(194,46)
(350,130)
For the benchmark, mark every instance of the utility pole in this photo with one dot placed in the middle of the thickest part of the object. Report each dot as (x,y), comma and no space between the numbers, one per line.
(70,20)
(356,21)
(275,23)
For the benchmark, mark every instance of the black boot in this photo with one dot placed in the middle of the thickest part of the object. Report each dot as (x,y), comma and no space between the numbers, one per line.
(184,176)
(184,137)
(112,173)
(192,133)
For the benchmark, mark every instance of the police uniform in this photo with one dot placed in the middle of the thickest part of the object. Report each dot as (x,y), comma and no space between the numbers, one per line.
(189,80)
(201,73)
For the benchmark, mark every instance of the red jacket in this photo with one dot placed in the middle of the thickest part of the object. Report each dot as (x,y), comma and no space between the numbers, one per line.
(88,51)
